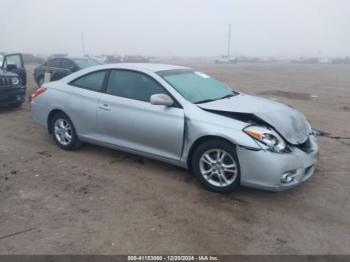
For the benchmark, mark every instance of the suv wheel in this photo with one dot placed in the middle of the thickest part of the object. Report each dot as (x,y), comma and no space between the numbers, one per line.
(216,166)
(64,133)
(16,105)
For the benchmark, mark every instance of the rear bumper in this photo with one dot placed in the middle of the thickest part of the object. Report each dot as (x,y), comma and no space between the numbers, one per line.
(12,95)
(265,170)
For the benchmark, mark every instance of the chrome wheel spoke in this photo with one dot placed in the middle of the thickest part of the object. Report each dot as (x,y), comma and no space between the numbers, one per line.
(224,179)
(67,135)
(229,168)
(233,165)
(207,172)
(61,124)
(211,175)
(207,158)
(220,155)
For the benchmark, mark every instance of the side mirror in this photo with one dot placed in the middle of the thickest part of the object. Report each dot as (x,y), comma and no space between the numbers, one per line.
(11,67)
(161,99)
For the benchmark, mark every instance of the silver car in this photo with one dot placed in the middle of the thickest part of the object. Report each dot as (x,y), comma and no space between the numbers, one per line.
(184,117)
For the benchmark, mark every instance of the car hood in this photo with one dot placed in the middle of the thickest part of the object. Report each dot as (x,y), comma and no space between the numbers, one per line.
(290,123)
(4,73)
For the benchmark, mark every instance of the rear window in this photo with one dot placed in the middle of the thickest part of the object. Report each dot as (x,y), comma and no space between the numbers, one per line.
(92,81)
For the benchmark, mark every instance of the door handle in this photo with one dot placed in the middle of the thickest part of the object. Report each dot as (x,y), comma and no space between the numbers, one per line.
(105,107)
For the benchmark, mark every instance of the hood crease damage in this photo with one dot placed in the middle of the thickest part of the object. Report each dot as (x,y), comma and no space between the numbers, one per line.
(289,123)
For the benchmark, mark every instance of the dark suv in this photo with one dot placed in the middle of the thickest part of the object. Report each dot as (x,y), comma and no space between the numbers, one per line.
(13,80)
(61,67)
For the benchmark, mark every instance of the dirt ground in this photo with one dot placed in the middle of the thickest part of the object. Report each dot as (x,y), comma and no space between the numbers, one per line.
(100,201)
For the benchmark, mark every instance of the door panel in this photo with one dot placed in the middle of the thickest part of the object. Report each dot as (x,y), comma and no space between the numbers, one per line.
(17,60)
(82,100)
(82,106)
(141,126)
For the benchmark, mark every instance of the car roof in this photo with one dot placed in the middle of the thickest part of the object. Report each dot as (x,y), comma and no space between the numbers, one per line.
(70,57)
(154,67)
(142,67)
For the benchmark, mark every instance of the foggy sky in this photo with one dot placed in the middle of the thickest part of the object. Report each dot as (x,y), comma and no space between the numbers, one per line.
(280,28)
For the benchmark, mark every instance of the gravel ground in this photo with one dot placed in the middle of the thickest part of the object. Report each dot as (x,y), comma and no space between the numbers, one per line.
(100,201)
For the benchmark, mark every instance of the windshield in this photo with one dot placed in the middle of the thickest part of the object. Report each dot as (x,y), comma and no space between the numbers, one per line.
(196,87)
(84,63)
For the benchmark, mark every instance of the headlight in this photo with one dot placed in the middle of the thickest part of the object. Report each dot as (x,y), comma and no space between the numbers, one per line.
(15,81)
(268,137)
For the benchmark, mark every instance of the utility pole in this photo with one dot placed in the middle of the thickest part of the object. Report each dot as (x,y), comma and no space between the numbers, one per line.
(83,43)
(229,41)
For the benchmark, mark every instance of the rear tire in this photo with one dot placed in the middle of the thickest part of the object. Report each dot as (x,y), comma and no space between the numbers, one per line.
(63,132)
(215,164)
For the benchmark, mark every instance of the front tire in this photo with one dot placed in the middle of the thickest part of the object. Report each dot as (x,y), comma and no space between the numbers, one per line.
(16,105)
(63,132)
(216,166)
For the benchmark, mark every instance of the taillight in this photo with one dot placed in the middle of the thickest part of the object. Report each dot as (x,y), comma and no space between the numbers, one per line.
(38,92)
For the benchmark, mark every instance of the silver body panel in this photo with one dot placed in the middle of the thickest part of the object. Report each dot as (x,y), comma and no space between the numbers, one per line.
(145,127)
(263,169)
(168,133)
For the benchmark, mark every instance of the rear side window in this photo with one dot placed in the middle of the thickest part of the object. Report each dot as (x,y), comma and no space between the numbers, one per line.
(133,85)
(92,81)
(67,64)
(55,63)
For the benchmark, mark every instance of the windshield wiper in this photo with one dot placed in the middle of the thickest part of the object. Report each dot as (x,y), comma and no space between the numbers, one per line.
(206,101)
(211,100)
(227,96)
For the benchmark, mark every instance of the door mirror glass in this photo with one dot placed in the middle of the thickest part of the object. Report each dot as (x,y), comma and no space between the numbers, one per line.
(161,99)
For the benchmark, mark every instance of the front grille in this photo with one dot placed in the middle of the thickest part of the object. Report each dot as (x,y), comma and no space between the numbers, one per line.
(5,82)
(306,146)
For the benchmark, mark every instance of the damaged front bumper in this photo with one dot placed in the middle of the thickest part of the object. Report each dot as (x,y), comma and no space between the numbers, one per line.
(267,170)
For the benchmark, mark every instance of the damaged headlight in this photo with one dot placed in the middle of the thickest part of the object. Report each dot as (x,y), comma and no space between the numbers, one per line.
(268,137)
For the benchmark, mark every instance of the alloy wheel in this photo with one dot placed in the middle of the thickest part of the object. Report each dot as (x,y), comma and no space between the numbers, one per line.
(218,167)
(63,131)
